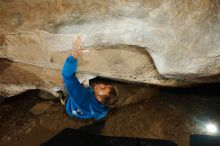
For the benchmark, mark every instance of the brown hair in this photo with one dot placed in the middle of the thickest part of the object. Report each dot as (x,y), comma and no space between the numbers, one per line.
(111,98)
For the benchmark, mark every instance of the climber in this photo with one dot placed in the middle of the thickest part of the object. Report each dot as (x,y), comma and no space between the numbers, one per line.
(85,102)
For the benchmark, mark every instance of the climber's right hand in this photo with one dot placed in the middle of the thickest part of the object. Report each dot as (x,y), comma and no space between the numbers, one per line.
(76,46)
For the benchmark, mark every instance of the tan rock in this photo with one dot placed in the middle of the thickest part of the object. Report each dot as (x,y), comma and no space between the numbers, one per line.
(162,42)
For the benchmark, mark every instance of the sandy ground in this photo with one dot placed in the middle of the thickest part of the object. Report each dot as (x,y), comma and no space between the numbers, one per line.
(173,114)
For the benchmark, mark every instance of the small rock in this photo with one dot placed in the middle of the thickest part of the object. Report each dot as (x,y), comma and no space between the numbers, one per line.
(28,130)
(40,108)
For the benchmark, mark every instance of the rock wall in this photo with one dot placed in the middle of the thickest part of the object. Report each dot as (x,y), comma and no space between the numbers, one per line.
(163,42)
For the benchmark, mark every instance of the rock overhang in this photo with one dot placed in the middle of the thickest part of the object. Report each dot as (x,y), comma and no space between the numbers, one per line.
(168,43)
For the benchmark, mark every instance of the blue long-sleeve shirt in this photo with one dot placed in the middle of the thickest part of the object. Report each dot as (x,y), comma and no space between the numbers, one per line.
(81,102)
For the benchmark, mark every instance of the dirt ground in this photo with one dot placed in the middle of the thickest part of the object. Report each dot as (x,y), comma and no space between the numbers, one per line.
(174,114)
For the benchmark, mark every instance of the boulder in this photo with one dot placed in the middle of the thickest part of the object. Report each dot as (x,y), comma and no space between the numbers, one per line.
(161,42)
